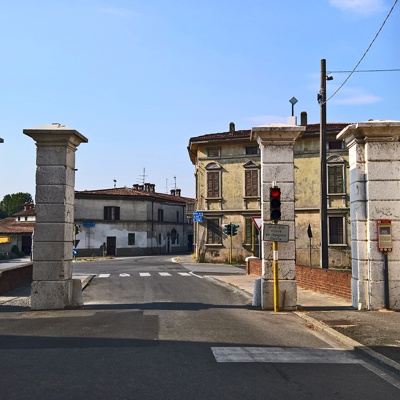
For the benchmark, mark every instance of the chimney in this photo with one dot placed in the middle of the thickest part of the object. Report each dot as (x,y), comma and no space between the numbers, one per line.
(135,186)
(303,118)
(152,188)
(178,192)
(231,128)
(140,187)
(172,192)
(28,206)
(147,187)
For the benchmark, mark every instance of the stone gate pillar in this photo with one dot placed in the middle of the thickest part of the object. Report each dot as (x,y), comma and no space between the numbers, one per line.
(277,165)
(53,286)
(374,155)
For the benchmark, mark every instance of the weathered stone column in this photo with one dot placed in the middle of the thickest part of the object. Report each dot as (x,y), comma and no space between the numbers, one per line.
(277,165)
(53,286)
(374,155)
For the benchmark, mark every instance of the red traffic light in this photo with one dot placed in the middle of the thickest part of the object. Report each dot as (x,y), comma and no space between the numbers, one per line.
(275,192)
(275,203)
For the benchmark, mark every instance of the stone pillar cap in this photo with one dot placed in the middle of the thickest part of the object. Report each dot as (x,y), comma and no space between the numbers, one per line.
(385,129)
(55,131)
(277,132)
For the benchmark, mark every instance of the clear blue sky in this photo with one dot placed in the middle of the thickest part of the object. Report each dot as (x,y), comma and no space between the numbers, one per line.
(138,78)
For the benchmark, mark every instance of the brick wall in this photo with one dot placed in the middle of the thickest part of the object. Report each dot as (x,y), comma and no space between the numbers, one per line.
(329,281)
(253,266)
(14,277)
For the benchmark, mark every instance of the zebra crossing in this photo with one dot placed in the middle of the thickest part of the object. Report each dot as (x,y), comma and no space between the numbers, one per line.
(144,274)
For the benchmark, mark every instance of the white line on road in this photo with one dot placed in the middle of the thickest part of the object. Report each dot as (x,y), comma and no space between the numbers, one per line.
(144,274)
(104,275)
(124,274)
(284,355)
(164,274)
(197,276)
(184,273)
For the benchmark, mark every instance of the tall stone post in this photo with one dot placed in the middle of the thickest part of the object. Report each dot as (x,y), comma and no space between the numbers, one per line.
(53,286)
(277,165)
(374,155)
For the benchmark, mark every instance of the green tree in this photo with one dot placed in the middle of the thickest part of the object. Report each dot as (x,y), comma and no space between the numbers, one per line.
(13,203)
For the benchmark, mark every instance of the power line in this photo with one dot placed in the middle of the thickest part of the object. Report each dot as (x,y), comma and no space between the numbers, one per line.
(365,70)
(365,53)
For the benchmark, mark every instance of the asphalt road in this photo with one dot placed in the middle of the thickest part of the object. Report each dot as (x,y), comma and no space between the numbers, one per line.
(153,329)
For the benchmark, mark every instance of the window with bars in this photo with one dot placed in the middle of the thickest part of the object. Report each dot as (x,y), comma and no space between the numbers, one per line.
(251,182)
(111,213)
(160,215)
(336,230)
(214,232)
(336,179)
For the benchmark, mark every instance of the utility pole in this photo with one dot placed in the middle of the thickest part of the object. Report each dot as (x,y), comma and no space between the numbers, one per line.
(322,152)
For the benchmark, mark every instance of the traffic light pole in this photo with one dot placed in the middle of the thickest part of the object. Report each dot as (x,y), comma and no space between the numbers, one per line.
(276,280)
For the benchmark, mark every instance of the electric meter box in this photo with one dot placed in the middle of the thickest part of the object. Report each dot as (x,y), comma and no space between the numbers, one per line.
(385,235)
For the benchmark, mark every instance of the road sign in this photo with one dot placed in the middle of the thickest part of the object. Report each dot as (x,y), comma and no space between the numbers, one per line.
(88,224)
(197,216)
(276,233)
(257,222)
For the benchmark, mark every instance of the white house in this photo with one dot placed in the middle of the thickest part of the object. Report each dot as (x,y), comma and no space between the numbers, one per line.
(132,221)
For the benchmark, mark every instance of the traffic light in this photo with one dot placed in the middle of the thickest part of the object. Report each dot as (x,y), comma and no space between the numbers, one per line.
(275,203)
(234,229)
(228,229)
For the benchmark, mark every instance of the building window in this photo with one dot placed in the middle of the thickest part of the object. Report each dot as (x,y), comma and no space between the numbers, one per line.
(213,180)
(159,238)
(336,179)
(214,233)
(160,216)
(174,236)
(248,230)
(213,184)
(213,152)
(131,239)
(251,182)
(335,145)
(111,213)
(336,230)
(252,150)
(177,216)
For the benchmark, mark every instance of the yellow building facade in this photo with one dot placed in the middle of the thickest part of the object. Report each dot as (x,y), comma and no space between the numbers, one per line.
(227,174)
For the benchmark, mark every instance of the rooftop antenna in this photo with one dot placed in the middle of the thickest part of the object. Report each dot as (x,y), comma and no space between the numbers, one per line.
(175,181)
(143,176)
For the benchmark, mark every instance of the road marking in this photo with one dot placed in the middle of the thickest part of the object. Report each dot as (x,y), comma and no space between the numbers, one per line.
(124,275)
(144,274)
(197,276)
(104,275)
(292,355)
(184,273)
(164,274)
